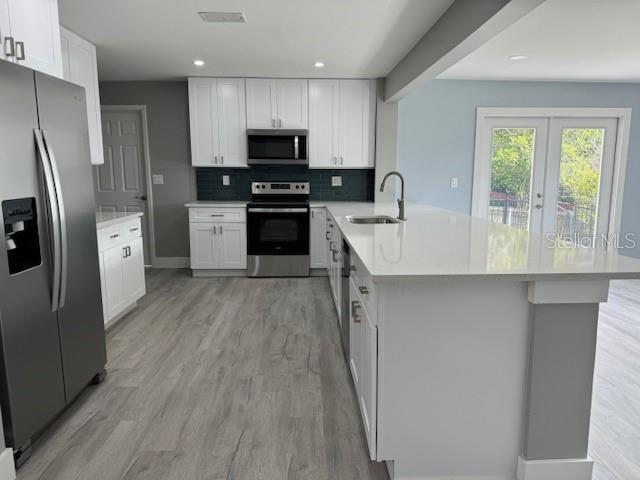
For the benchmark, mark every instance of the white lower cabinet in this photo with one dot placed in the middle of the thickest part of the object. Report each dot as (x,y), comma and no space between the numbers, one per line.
(218,238)
(363,362)
(318,240)
(121,268)
(334,264)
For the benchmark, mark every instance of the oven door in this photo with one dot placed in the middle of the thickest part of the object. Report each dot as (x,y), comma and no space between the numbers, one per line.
(278,231)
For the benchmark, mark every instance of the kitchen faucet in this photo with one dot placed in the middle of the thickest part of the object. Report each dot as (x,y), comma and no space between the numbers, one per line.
(401,215)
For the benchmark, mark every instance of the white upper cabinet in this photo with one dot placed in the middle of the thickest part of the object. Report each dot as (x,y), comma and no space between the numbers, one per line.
(354,127)
(293,103)
(323,122)
(218,122)
(232,122)
(277,103)
(262,111)
(80,66)
(340,126)
(31,36)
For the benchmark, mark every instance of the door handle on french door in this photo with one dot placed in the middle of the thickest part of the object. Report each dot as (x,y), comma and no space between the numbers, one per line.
(53,216)
(63,220)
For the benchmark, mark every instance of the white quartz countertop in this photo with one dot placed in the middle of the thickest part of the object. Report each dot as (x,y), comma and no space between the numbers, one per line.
(438,243)
(106,219)
(217,204)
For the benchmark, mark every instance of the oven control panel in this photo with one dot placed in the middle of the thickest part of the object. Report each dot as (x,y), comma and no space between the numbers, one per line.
(280,188)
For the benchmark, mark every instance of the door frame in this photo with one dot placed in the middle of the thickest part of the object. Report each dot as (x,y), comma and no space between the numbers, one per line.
(482,170)
(142,110)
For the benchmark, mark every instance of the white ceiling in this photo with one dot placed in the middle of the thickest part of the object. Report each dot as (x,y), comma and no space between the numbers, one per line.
(566,40)
(158,39)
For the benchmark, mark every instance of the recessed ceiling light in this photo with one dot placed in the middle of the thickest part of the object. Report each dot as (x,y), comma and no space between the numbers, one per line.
(318,64)
(516,58)
(198,63)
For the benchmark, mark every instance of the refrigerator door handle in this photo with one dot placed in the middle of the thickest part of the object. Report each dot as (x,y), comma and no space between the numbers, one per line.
(55,219)
(63,221)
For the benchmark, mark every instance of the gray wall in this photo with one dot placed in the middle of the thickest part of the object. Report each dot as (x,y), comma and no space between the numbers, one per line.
(436,134)
(168,117)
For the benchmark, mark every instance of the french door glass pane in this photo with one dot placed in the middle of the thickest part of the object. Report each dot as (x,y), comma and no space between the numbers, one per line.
(580,166)
(512,156)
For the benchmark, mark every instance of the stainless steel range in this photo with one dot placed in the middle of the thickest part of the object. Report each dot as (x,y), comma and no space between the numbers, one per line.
(278,229)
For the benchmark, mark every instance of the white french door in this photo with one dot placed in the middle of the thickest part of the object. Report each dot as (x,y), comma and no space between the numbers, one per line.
(546,174)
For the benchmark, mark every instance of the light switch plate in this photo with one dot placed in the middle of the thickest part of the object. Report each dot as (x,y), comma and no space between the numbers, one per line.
(157,179)
(336,181)
(226,181)
(454,182)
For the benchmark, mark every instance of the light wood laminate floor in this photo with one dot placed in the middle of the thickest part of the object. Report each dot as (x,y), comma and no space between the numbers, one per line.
(614,441)
(235,379)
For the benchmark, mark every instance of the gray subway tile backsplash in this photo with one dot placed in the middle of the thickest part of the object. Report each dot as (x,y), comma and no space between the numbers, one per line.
(357,184)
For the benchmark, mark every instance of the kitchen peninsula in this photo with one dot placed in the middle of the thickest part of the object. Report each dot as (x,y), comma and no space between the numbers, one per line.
(472,344)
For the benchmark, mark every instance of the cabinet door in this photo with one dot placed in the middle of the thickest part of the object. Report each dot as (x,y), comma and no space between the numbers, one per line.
(354,124)
(203,121)
(232,241)
(293,104)
(133,270)
(355,316)
(369,379)
(318,238)
(114,294)
(261,103)
(5,28)
(323,123)
(232,126)
(80,66)
(204,251)
(35,23)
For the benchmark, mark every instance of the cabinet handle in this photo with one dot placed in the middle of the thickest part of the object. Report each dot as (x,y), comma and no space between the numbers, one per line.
(20,55)
(215,159)
(273,123)
(124,252)
(115,235)
(133,229)
(327,235)
(333,255)
(352,268)
(354,311)
(214,230)
(217,215)
(341,160)
(129,250)
(220,229)
(335,160)
(221,159)
(11,51)
(363,290)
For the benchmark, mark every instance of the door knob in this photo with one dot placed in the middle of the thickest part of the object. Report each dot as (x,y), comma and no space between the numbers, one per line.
(141,197)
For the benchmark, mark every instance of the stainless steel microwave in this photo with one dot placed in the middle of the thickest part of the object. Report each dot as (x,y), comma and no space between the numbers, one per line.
(277,147)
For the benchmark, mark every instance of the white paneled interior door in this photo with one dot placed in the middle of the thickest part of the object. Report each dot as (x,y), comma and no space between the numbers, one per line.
(120,183)
(323,122)
(203,119)
(262,109)
(232,122)
(293,103)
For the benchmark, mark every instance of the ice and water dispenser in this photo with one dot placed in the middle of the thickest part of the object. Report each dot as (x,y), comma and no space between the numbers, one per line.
(21,234)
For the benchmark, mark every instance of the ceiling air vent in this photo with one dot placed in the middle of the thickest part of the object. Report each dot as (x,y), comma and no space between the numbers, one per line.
(223,17)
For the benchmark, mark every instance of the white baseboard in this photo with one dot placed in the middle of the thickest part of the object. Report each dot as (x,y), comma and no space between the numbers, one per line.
(561,469)
(7,467)
(171,262)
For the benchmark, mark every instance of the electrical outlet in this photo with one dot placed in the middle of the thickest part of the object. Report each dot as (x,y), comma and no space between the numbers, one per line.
(226,181)
(157,179)
(454,182)
(336,181)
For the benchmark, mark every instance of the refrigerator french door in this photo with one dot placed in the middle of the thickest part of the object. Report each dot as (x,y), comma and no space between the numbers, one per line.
(52,338)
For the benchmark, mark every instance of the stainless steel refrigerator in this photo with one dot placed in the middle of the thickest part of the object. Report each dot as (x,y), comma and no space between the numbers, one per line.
(51,325)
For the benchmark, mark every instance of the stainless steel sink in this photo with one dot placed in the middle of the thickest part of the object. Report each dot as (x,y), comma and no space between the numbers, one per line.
(369,220)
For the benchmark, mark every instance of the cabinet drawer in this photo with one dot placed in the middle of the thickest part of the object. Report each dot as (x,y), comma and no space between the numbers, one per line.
(132,230)
(111,236)
(218,215)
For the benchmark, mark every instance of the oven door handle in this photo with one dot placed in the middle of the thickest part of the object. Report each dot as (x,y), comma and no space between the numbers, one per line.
(278,210)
